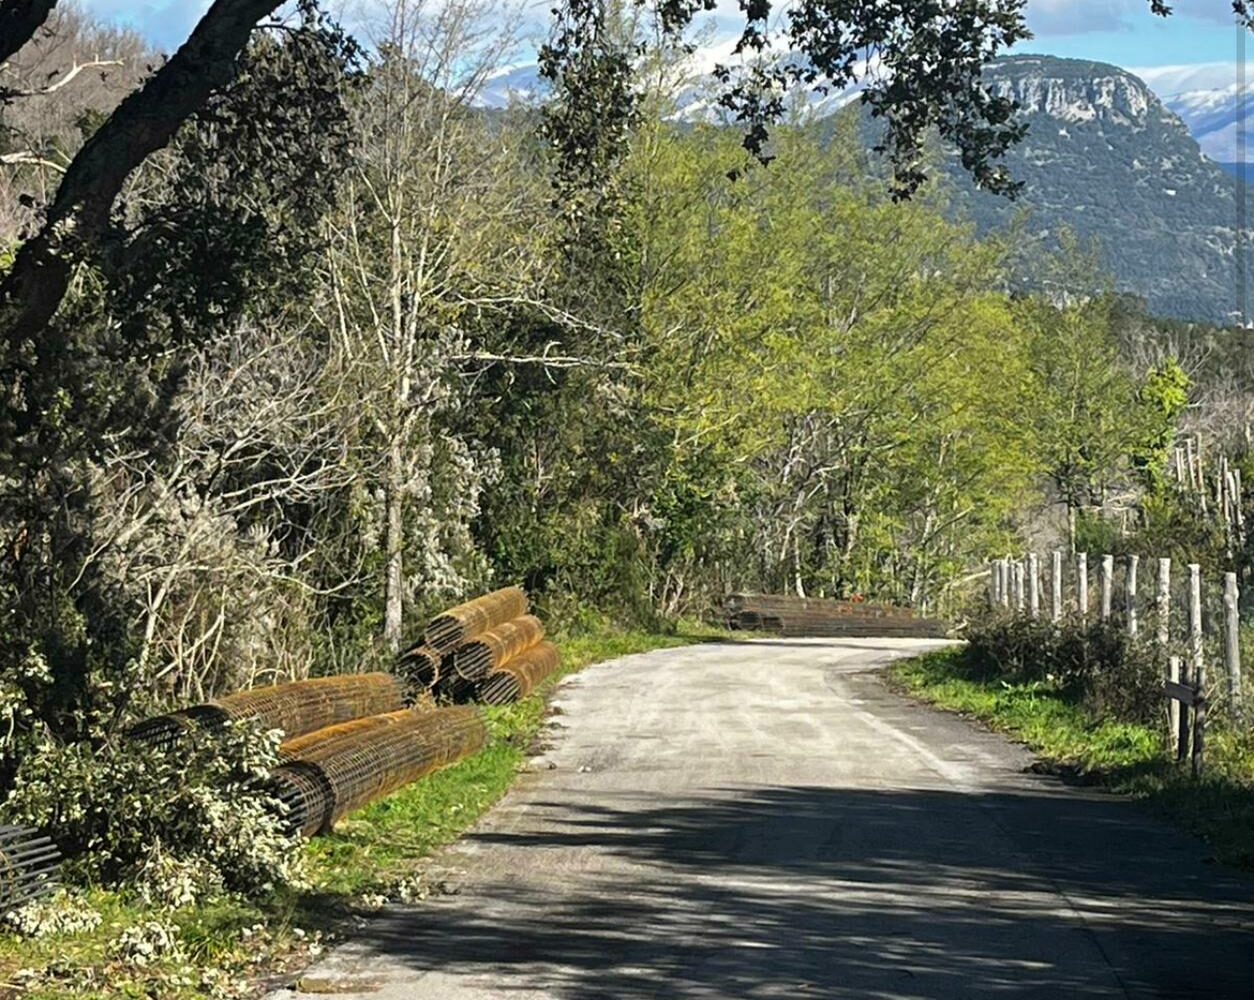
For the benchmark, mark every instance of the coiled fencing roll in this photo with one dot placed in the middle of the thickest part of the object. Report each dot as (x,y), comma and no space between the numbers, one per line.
(821,617)
(419,668)
(466,621)
(296,708)
(30,866)
(333,777)
(293,749)
(520,675)
(494,648)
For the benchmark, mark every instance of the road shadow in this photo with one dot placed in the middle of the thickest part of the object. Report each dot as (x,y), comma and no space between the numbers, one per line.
(821,892)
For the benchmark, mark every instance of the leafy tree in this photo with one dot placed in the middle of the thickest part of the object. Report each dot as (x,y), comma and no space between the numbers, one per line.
(234,218)
(918,63)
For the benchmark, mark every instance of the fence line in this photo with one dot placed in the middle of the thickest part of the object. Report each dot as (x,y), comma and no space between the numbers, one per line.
(1015,585)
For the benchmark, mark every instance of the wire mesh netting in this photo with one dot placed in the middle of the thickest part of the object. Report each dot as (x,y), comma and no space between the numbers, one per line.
(333,777)
(296,708)
(293,749)
(494,648)
(419,669)
(821,617)
(521,675)
(30,866)
(466,621)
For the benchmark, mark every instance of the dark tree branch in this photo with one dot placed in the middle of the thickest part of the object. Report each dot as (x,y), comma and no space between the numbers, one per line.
(142,124)
(19,20)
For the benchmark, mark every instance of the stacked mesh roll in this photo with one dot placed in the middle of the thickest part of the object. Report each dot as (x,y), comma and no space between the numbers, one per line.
(521,675)
(350,767)
(496,647)
(30,866)
(810,616)
(419,669)
(296,708)
(459,625)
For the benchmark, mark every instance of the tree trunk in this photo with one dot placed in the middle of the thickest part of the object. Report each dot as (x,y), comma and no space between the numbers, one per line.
(143,123)
(19,20)
(393,605)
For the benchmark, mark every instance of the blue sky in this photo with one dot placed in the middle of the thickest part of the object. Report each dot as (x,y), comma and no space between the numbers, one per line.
(1118,31)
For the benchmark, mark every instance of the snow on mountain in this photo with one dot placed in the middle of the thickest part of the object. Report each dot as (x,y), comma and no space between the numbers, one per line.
(1203,95)
(1207,98)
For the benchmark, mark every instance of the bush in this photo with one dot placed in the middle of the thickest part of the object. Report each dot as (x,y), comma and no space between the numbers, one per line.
(1096,663)
(179,824)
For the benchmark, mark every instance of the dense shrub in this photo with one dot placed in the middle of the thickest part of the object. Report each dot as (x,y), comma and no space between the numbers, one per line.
(179,824)
(1096,663)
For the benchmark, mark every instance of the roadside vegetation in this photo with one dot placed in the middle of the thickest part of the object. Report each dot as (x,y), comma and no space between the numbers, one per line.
(112,944)
(1101,723)
(334,346)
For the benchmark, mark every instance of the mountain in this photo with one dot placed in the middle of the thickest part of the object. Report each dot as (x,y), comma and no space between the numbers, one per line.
(1207,99)
(1105,158)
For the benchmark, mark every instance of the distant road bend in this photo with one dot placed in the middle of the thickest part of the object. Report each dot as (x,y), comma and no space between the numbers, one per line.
(767,820)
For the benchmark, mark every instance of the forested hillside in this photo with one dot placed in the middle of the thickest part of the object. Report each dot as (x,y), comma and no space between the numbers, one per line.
(301,344)
(359,350)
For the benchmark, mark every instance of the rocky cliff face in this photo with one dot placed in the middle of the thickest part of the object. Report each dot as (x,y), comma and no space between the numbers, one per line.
(1105,158)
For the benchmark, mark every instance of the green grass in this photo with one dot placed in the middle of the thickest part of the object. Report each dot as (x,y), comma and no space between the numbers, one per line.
(1125,758)
(227,944)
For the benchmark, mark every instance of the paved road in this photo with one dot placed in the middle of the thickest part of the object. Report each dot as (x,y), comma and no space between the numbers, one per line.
(766,820)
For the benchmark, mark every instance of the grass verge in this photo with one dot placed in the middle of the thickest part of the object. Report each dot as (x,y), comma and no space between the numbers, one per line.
(231,948)
(1129,759)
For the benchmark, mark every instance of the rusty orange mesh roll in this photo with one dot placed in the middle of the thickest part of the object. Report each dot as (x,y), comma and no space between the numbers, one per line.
(334,777)
(475,660)
(520,675)
(466,621)
(419,669)
(296,708)
(294,748)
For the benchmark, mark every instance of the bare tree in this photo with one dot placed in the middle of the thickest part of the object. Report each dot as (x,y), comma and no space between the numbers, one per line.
(436,240)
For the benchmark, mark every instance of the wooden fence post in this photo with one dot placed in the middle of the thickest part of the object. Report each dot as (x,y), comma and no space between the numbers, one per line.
(1177,714)
(1082,584)
(1197,668)
(1034,585)
(1021,596)
(1055,579)
(1133,624)
(1005,583)
(1197,665)
(1232,642)
(992,583)
(1108,586)
(1164,602)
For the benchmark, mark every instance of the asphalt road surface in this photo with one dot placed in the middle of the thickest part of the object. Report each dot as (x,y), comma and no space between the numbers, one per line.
(767,820)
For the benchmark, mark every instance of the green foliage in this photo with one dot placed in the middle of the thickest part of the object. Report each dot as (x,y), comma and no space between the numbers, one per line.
(1124,756)
(1164,396)
(1097,664)
(842,378)
(232,221)
(180,823)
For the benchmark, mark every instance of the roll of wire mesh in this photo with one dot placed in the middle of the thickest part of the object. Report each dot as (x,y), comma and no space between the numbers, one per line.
(333,777)
(293,749)
(30,866)
(493,649)
(466,621)
(821,617)
(519,676)
(454,689)
(296,708)
(419,669)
